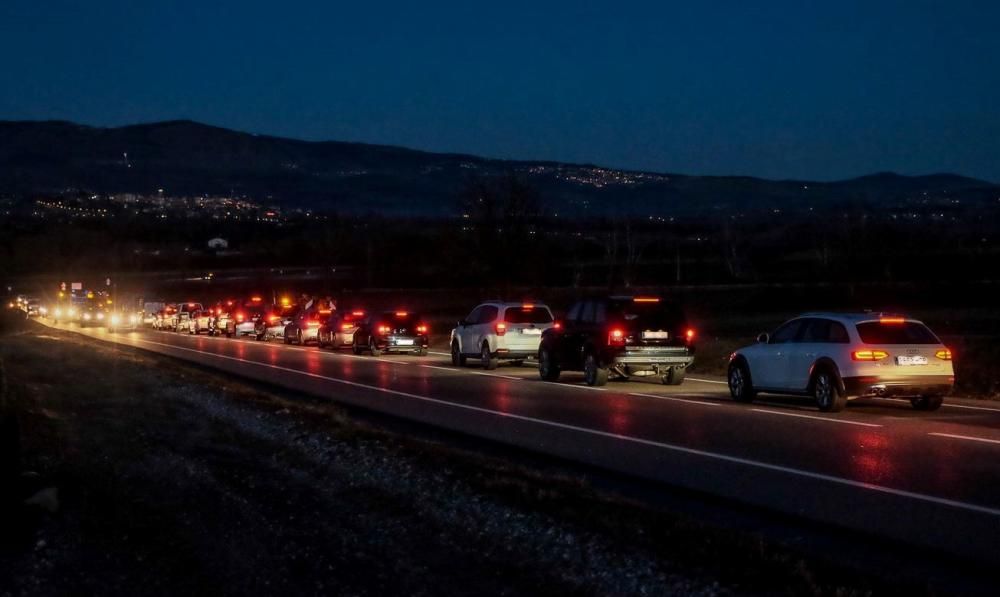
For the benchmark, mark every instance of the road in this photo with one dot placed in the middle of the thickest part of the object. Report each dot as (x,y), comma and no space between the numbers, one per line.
(927,479)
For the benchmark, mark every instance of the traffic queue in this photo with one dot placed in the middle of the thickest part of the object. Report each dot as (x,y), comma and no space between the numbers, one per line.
(831,357)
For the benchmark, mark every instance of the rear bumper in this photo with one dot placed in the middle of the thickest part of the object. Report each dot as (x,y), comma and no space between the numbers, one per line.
(901,385)
(402,343)
(519,354)
(650,360)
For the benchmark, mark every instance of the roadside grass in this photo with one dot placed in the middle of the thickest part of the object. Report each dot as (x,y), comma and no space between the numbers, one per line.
(740,561)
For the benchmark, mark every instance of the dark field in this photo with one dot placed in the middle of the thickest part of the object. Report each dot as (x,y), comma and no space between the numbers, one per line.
(172,479)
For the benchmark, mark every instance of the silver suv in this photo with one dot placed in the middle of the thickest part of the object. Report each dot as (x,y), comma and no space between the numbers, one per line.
(497,330)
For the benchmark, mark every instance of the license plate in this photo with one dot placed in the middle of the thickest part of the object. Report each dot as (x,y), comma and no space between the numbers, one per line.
(648,335)
(907,361)
(532,331)
(404,342)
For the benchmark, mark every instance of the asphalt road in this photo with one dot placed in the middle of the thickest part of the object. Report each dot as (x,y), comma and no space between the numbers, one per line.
(929,479)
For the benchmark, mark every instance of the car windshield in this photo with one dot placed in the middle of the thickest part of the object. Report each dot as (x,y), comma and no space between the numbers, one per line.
(909,332)
(527,315)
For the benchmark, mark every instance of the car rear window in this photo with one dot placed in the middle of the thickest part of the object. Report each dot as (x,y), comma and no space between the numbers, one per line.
(909,332)
(650,316)
(525,315)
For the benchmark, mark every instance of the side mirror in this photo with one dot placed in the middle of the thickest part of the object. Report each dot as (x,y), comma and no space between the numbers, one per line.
(763,338)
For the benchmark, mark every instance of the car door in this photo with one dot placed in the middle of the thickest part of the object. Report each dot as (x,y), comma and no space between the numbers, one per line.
(803,353)
(769,363)
(465,332)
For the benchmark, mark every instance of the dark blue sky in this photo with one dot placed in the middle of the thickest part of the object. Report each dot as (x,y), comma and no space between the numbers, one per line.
(777,88)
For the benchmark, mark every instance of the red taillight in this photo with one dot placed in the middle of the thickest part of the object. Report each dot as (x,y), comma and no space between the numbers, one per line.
(347,326)
(616,337)
(312,324)
(869,355)
(421,329)
(689,334)
(273,318)
(401,314)
(357,313)
(501,328)
(239,317)
(646,299)
(557,326)
(944,355)
(384,329)
(891,320)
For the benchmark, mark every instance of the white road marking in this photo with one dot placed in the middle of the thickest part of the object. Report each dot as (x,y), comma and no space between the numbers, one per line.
(818,418)
(948,405)
(456,370)
(967,437)
(708,381)
(676,399)
(626,438)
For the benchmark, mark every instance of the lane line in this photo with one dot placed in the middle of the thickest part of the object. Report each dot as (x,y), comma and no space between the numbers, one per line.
(966,437)
(818,418)
(725,383)
(676,399)
(626,438)
(947,405)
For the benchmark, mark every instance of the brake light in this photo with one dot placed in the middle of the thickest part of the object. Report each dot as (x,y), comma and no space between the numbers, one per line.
(944,355)
(401,313)
(239,317)
(616,337)
(527,306)
(325,312)
(869,355)
(689,334)
(421,329)
(891,320)
(357,313)
(556,325)
(273,318)
(383,329)
(347,326)
(501,328)
(256,299)
(646,299)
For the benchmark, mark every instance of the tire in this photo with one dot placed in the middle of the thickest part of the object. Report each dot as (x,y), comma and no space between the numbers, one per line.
(740,383)
(548,368)
(457,358)
(593,373)
(319,340)
(373,348)
(356,348)
(192,330)
(489,363)
(826,391)
(927,403)
(298,338)
(420,352)
(674,377)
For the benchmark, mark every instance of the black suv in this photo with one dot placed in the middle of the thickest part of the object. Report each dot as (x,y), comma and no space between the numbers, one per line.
(624,335)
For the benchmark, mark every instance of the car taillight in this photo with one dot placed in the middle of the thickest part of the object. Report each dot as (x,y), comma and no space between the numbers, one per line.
(383,329)
(239,317)
(556,325)
(273,318)
(312,324)
(944,355)
(347,326)
(689,334)
(421,329)
(892,320)
(500,328)
(869,355)
(616,337)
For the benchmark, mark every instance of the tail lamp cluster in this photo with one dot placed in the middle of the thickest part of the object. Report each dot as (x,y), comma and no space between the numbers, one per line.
(879,355)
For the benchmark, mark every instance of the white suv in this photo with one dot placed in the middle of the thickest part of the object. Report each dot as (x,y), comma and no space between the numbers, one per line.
(835,357)
(498,330)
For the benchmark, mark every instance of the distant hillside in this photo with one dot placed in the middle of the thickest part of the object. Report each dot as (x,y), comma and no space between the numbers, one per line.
(189,158)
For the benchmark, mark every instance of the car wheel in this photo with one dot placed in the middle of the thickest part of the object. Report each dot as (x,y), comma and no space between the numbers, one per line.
(457,358)
(675,376)
(420,352)
(192,330)
(927,402)
(740,385)
(489,363)
(828,396)
(298,337)
(593,373)
(373,348)
(548,369)
(356,348)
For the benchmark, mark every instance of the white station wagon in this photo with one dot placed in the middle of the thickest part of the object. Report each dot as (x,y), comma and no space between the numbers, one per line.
(835,357)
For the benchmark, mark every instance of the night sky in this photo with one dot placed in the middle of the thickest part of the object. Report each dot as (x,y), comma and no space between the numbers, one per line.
(777,88)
